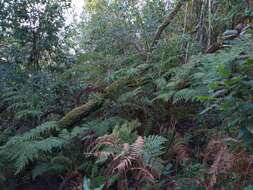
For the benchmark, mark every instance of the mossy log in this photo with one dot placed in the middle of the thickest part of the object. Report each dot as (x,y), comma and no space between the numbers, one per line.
(78,113)
(92,105)
(110,92)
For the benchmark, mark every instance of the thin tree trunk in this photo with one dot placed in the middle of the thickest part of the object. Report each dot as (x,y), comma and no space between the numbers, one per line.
(209,23)
(165,23)
(185,44)
(200,33)
(185,18)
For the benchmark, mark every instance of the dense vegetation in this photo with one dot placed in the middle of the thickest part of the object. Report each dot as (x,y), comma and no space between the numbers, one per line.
(135,94)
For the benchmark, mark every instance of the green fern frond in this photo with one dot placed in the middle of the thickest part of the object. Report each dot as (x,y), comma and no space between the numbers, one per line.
(129,95)
(28,113)
(24,152)
(40,169)
(182,72)
(14,98)
(126,132)
(58,165)
(103,126)
(152,150)
(44,129)
(153,146)
(9,93)
(185,95)
(28,147)
(19,106)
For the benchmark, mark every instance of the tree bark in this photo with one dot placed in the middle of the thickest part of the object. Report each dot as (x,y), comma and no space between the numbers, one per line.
(166,22)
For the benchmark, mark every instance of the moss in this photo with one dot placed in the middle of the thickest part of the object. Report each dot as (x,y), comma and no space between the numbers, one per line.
(78,113)
(114,88)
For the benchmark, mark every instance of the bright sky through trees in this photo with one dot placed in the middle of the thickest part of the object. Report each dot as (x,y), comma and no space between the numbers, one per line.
(78,6)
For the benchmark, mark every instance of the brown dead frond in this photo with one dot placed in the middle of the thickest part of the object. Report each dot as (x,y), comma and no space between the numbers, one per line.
(222,160)
(96,148)
(129,159)
(143,174)
(243,165)
(129,154)
(180,149)
(107,140)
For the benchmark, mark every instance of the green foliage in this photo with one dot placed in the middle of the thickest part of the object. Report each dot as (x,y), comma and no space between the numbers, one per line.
(230,86)
(32,30)
(30,146)
(126,132)
(154,147)
(57,165)
(22,103)
(176,117)
(249,187)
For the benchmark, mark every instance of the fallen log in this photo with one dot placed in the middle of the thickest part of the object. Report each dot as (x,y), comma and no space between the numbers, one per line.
(110,92)
(80,112)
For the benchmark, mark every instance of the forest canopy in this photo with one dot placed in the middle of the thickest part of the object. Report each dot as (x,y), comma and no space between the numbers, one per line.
(127,94)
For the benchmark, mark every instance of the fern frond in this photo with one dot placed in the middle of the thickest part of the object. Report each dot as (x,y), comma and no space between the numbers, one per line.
(9,93)
(29,151)
(18,106)
(126,132)
(58,164)
(103,126)
(185,95)
(14,98)
(129,154)
(28,147)
(44,129)
(40,169)
(28,113)
(129,95)
(153,146)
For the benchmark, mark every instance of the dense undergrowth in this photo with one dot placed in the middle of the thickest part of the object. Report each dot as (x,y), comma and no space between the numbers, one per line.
(163,119)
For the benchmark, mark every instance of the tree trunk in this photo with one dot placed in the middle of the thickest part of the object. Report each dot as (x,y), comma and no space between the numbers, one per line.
(166,22)
(201,31)
(209,41)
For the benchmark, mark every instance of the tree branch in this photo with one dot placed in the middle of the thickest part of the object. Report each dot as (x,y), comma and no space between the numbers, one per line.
(166,22)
